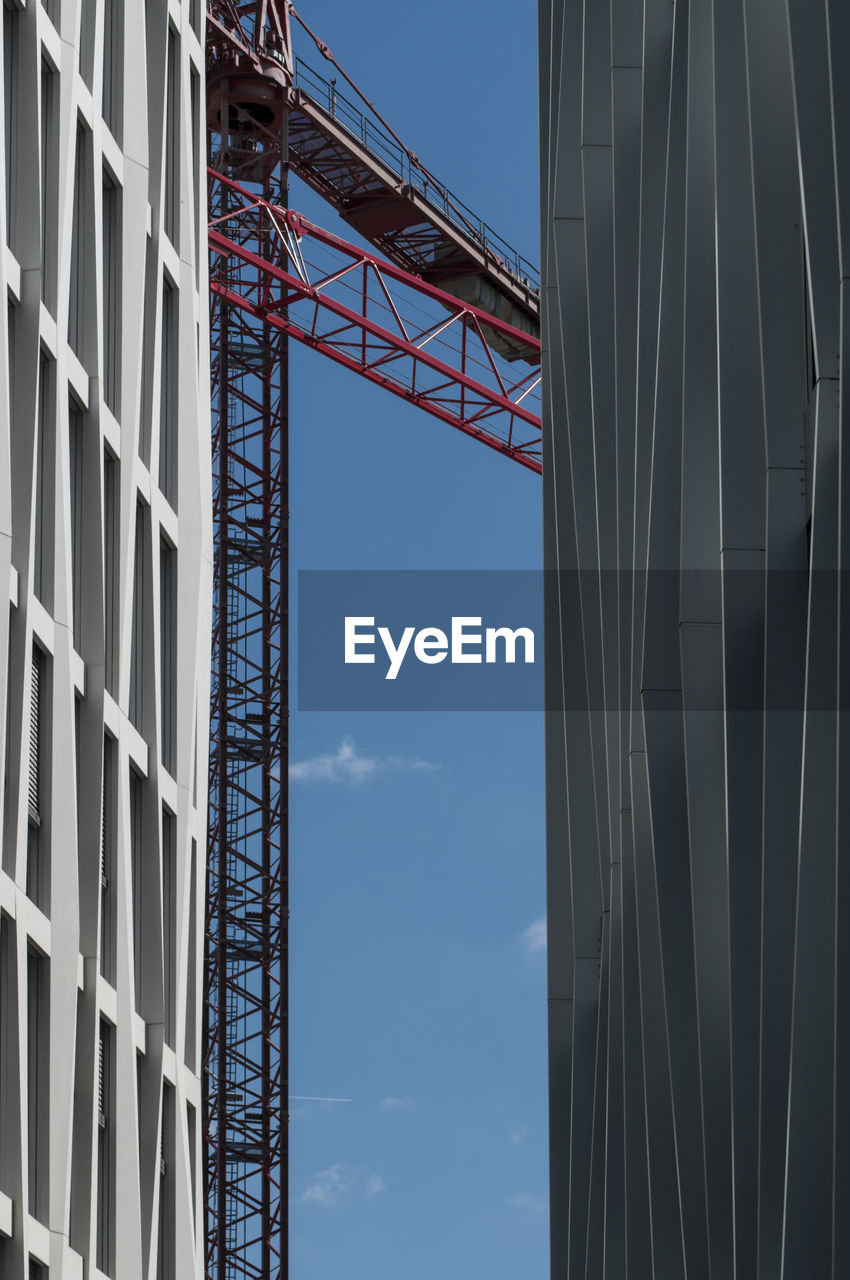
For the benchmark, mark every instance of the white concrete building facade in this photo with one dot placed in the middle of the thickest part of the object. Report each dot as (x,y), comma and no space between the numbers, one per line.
(106,555)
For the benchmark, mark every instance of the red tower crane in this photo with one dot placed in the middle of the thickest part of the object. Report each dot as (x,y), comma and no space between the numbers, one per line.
(447,318)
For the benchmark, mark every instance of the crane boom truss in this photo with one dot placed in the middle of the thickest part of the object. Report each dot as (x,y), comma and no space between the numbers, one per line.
(395,330)
(347,157)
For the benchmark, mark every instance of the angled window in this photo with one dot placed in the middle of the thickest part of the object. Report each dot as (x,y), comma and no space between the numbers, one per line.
(80,218)
(168,651)
(38,1093)
(107,863)
(8,1037)
(191,966)
(165,1252)
(105,1148)
(76,421)
(88,18)
(11,316)
(138,650)
(197,142)
(172,139)
(150,305)
(111,548)
(140,1067)
(36,746)
(169,922)
(191,1129)
(111,293)
(168,394)
(10,102)
(38,844)
(9,851)
(137,876)
(49,176)
(78,711)
(43,515)
(113,65)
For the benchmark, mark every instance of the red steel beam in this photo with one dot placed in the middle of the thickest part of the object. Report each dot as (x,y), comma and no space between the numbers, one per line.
(444,363)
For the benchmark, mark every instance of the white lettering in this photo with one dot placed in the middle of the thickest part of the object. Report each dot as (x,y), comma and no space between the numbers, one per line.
(431,645)
(395,655)
(353,639)
(510,638)
(461,638)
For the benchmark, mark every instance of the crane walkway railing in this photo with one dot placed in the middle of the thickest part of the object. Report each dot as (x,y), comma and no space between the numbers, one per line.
(371,135)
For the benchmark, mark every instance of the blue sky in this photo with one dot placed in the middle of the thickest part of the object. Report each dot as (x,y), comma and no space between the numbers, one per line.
(417,863)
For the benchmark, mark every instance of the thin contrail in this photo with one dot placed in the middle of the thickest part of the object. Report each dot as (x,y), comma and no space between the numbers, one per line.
(300,1097)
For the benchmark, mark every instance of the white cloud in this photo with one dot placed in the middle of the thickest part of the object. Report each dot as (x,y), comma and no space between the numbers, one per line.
(342,1182)
(347,764)
(395,1104)
(525,1200)
(329,1186)
(534,937)
(518,1134)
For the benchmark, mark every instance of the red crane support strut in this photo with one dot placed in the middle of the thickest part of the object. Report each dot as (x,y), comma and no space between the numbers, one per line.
(373,317)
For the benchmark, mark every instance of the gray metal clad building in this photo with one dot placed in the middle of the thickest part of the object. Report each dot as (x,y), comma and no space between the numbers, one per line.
(696,214)
(106,565)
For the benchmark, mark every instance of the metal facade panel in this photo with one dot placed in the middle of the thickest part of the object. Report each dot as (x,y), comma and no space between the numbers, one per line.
(694,205)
